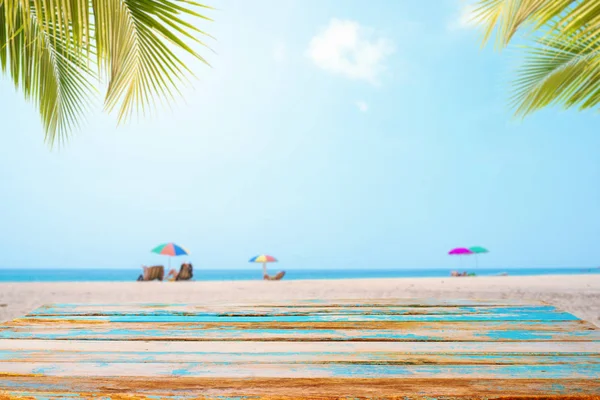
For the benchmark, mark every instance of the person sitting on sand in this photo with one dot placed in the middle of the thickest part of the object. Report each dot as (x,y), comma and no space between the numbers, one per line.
(186,272)
(152,273)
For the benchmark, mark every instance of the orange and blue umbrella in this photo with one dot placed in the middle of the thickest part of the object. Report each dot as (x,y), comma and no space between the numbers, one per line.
(264,259)
(171,250)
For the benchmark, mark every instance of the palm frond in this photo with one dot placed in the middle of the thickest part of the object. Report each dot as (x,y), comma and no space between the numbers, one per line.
(563,64)
(506,17)
(48,72)
(488,13)
(49,46)
(132,35)
(558,72)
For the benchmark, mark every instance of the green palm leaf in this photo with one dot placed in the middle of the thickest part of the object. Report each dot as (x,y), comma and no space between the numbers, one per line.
(563,65)
(558,72)
(49,48)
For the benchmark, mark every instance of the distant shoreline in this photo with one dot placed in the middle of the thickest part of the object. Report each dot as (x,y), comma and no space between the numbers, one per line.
(320,280)
(215,275)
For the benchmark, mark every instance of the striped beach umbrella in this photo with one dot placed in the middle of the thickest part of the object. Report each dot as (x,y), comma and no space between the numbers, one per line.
(171,250)
(264,259)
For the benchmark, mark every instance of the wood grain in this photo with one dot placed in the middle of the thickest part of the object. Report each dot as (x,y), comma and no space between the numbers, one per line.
(404,348)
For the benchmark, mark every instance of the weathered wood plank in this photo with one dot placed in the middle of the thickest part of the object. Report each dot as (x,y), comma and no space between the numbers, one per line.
(528,315)
(43,387)
(359,357)
(310,349)
(294,370)
(303,347)
(570,326)
(249,311)
(318,303)
(384,331)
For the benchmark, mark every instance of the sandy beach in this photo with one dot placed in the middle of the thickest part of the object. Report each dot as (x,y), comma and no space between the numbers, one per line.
(577,294)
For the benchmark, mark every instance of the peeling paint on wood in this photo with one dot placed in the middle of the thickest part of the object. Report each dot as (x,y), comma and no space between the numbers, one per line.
(396,349)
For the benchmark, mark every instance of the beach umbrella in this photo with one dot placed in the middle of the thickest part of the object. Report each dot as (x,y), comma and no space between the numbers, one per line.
(171,250)
(460,251)
(478,250)
(264,259)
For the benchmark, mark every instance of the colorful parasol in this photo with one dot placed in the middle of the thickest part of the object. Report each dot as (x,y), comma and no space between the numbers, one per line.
(460,251)
(264,259)
(478,250)
(171,250)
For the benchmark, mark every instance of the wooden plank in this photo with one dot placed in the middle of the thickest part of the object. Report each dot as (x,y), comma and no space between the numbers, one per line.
(319,303)
(294,370)
(384,331)
(249,311)
(491,315)
(310,349)
(303,347)
(43,387)
(360,357)
(571,326)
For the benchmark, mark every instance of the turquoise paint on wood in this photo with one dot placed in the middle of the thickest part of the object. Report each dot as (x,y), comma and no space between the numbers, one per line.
(291,370)
(278,311)
(299,358)
(462,324)
(527,316)
(105,333)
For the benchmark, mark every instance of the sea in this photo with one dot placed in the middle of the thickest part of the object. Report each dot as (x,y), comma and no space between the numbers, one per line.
(128,275)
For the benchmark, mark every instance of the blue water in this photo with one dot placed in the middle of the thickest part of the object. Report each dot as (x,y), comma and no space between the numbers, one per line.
(124,275)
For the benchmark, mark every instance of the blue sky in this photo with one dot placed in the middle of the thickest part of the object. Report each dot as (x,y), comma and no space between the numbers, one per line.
(329,133)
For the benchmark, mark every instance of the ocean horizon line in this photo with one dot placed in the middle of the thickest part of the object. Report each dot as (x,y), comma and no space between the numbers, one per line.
(276,267)
(131,274)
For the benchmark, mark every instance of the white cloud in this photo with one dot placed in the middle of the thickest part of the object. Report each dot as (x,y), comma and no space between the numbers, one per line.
(465,18)
(348,49)
(279,52)
(362,106)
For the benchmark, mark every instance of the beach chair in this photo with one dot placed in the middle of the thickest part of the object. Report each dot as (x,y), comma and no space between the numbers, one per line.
(155,272)
(276,277)
(186,272)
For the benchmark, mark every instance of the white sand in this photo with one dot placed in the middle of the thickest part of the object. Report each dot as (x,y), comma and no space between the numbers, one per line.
(577,294)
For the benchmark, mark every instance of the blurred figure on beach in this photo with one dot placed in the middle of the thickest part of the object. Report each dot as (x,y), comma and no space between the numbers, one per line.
(186,273)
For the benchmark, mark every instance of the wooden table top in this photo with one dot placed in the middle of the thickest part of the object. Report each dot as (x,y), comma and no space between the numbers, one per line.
(392,348)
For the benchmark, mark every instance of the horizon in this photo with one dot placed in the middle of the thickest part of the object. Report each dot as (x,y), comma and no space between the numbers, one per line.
(333,131)
(470,268)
